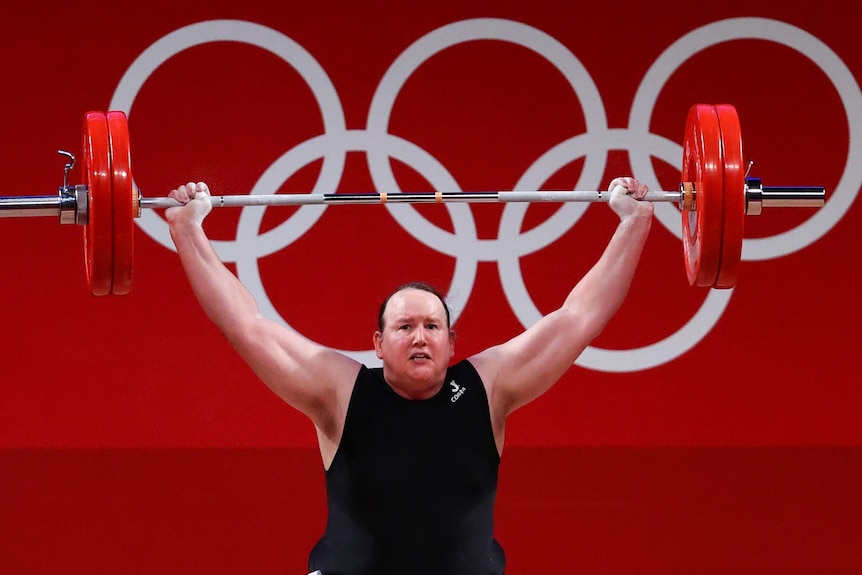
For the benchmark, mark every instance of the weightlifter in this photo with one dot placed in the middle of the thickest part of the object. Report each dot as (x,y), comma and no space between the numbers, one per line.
(411,450)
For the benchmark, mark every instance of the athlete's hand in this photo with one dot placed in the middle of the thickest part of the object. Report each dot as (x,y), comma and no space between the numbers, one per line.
(195,200)
(626,196)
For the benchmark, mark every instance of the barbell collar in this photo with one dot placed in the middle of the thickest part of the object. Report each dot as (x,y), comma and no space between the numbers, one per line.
(82,206)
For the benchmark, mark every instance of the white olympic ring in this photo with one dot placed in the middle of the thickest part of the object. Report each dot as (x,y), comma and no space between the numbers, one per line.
(464,245)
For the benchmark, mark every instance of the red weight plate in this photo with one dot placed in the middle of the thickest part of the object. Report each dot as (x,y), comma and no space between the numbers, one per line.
(702,165)
(98,237)
(734,197)
(124,201)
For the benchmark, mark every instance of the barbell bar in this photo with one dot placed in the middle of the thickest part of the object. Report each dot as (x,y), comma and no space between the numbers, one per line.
(714,196)
(69,208)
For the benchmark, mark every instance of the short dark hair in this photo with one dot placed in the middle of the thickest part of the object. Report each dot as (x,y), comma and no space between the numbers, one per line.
(413,285)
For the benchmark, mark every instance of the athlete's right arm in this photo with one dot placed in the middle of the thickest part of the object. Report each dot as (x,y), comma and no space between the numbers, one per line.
(312,378)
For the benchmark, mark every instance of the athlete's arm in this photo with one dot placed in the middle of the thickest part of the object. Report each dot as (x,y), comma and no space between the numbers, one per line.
(313,379)
(518,371)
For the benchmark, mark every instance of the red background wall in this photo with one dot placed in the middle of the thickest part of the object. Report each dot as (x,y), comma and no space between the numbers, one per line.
(133,440)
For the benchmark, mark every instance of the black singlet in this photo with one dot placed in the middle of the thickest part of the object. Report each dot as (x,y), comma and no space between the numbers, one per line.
(412,486)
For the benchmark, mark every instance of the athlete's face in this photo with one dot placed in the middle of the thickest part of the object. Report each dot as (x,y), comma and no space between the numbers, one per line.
(416,343)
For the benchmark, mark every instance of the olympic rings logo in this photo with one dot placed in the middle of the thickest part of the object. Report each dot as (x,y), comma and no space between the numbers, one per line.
(464,245)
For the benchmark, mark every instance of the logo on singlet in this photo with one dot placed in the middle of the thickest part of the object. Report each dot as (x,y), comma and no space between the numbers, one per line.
(457,391)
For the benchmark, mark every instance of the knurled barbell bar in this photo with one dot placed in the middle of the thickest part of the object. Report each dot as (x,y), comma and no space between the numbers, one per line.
(714,196)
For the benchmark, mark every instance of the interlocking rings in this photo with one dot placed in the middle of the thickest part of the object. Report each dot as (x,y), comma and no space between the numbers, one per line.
(464,244)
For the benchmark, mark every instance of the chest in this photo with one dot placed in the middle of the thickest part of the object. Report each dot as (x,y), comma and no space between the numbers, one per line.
(394,446)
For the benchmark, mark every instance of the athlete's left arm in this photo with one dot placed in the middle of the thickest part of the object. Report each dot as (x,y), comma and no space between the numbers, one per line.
(523,368)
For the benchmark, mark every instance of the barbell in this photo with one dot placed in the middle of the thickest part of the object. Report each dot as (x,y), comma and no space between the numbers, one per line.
(714,196)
